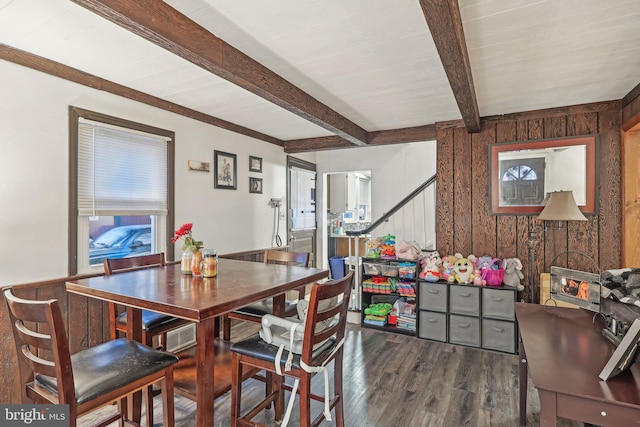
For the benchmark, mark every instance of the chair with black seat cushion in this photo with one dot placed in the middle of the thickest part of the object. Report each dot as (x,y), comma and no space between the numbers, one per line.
(153,324)
(254,312)
(91,378)
(321,342)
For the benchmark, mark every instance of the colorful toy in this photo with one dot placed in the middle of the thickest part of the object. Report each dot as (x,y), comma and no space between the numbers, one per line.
(447,267)
(477,273)
(512,273)
(387,246)
(463,270)
(431,266)
(380,309)
(372,249)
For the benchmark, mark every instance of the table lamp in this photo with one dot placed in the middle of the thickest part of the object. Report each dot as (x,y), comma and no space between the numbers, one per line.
(559,206)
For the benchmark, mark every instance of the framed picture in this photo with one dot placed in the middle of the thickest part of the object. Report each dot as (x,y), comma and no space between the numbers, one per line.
(224,167)
(255,185)
(625,353)
(255,164)
(198,166)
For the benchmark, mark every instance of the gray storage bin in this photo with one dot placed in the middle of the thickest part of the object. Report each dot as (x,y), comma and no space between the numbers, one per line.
(464,300)
(433,326)
(464,330)
(499,335)
(433,296)
(498,304)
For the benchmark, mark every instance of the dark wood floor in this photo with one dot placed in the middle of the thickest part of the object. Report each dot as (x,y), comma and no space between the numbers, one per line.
(396,380)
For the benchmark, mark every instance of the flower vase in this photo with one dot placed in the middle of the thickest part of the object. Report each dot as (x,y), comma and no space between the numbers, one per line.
(195,263)
(185,263)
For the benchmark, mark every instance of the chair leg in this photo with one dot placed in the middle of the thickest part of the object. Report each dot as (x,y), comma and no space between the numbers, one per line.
(278,387)
(236,388)
(226,326)
(337,388)
(148,392)
(168,406)
(305,400)
(268,385)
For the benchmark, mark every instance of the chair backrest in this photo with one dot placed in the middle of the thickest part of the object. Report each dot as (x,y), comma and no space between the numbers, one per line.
(41,341)
(327,307)
(120,265)
(274,256)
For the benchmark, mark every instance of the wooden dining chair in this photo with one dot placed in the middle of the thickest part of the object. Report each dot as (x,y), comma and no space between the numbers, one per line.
(323,336)
(153,324)
(254,312)
(91,378)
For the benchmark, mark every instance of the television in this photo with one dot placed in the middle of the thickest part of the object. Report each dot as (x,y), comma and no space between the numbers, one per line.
(576,287)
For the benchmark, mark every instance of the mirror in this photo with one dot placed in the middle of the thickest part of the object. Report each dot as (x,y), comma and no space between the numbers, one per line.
(523,173)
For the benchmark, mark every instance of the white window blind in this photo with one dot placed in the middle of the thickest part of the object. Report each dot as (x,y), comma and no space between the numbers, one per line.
(120,171)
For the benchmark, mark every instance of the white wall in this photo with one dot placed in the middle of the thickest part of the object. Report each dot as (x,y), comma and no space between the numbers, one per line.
(34,174)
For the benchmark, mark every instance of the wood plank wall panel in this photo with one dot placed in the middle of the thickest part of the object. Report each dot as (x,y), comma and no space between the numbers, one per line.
(484,236)
(462,172)
(556,239)
(506,224)
(599,237)
(444,192)
(610,169)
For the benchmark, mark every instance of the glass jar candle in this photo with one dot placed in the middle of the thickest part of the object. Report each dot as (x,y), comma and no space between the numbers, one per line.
(185,262)
(209,265)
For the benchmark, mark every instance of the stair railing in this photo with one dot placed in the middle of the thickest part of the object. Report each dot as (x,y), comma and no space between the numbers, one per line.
(355,303)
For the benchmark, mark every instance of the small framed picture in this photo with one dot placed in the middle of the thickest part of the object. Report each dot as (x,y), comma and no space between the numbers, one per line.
(198,166)
(224,168)
(255,185)
(625,354)
(255,164)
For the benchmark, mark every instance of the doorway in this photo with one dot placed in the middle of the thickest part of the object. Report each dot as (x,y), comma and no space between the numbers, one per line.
(347,198)
(301,203)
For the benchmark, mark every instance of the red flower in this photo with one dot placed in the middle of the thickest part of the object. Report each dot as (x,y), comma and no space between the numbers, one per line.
(184,230)
(189,242)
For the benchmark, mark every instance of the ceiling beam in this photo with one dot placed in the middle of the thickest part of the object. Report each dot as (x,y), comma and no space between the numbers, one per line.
(445,24)
(382,137)
(71,74)
(159,23)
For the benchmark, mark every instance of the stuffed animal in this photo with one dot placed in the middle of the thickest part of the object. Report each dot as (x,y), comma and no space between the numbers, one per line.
(463,270)
(512,273)
(431,265)
(447,267)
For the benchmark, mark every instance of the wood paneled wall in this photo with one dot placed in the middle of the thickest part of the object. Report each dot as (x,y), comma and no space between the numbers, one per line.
(464,224)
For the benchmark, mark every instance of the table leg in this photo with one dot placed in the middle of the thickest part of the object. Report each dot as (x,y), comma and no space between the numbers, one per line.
(205,356)
(279,302)
(134,332)
(523,370)
(548,408)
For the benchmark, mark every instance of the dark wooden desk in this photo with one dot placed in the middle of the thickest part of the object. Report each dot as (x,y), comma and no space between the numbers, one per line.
(200,300)
(565,353)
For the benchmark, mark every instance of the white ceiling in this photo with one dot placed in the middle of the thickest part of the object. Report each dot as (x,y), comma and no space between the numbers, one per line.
(372,61)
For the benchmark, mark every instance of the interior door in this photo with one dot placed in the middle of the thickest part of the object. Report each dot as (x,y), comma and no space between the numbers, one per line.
(301,203)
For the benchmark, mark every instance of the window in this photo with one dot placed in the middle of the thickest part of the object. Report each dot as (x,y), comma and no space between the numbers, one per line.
(121,190)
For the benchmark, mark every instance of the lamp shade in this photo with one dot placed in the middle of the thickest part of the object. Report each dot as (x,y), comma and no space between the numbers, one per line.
(561,206)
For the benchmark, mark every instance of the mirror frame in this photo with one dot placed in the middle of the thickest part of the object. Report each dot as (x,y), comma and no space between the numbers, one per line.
(589,141)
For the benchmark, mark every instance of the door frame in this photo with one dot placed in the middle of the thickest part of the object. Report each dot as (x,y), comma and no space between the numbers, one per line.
(302,164)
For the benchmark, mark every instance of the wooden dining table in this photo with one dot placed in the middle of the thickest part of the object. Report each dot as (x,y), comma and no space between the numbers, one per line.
(203,374)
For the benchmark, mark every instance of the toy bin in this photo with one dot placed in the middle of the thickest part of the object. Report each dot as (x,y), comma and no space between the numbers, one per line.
(371,268)
(390,270)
